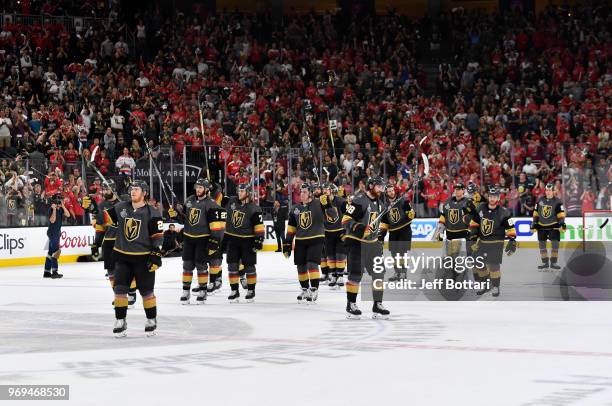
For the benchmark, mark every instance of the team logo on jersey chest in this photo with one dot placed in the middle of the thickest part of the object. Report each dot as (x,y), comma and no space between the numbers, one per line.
(237,218)
(131,228)
(486,228)
(332,215)
(546,210)
(373,225)
(453,216)
(394,215)
(305,220)
(12,204)
(194,216)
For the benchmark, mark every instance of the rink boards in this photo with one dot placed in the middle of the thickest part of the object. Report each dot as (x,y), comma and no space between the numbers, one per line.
(26,246)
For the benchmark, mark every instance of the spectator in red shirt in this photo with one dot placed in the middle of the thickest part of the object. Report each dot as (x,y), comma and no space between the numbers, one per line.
(53,184)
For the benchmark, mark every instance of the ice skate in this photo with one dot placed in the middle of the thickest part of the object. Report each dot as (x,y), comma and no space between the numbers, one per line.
(234,297)
(303,296)
(150,327)
(120,329)
(250,296)
(379,311)
(352,311)
(201,298)
(314,295)
(185,297)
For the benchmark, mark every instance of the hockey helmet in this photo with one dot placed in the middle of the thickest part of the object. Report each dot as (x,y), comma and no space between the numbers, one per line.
(375,180)
(203,182)
(144,186)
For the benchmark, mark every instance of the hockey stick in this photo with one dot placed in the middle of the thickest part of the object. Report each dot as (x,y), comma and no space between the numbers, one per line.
(316,172)
(92,165)
(171,251)
(401,199)
(150,152)
(387,210)
(203,135)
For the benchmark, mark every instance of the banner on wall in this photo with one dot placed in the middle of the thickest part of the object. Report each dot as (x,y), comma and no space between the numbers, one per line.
(30,242)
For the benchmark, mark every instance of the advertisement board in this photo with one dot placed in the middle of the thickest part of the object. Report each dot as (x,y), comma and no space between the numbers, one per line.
(26,246)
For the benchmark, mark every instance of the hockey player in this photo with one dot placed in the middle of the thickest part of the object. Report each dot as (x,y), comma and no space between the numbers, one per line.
(334,247)
(489,227)
(549,221)
(305,225)
(363,246)
(455,218)
(398,223)
(244,232)
(204,223)
(106,234)
(137,254)
(317,191)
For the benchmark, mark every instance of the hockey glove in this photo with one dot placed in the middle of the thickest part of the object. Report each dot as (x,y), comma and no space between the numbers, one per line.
(324,199)
(473,242)
(172,213)
(257,244)
(359,230)
(89,204)
(534,227)
(86,202)
(287,249)
(562,227)
(411,214)
(213,247)
(155,260)
(510,247)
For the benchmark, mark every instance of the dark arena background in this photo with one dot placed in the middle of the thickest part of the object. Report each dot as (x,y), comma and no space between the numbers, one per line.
(373,202)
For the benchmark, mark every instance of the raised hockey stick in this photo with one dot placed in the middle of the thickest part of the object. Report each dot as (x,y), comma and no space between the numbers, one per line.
(203,135)
(150,152)
(401,199)
(92,165)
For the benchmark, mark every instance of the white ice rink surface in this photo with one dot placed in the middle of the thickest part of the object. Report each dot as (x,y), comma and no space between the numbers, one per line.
(278,352)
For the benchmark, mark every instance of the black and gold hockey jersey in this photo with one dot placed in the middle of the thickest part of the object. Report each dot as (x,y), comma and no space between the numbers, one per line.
(306,221)
(493,225)
(363,210)
(333,214)
(456,215)
(203,218)
(398,217)
(549,213)
(139,231)
(244,220)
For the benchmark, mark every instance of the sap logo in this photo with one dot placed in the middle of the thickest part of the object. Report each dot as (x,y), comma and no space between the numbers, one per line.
(10,244)
(423,228)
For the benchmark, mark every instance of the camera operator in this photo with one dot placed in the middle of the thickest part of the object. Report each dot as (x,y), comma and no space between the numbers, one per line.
(57,213)
(172,245)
